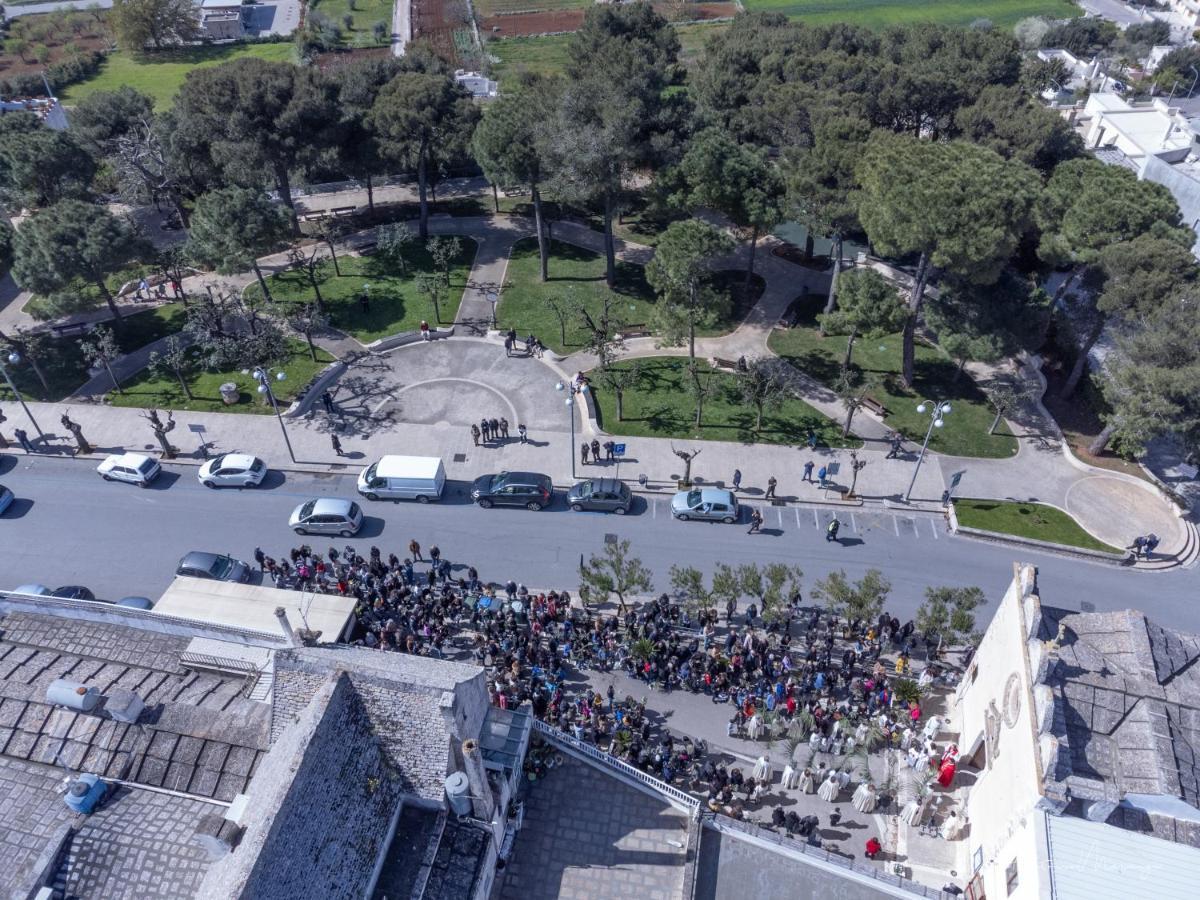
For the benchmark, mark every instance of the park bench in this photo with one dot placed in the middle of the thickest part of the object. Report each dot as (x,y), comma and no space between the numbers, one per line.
(872,405)
(342,211)
(719,363)
(71,328)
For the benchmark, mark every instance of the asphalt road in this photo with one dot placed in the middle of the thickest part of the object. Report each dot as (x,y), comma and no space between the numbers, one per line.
(67,526)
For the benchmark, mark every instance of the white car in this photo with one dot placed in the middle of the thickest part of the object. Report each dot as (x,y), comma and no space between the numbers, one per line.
(233,470)
(135,468)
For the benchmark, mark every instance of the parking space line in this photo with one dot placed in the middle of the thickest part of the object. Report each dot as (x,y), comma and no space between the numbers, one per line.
(933,528)
(853,523)
(654,509)
(780,512)
(896,523)
(816,524)
(797,517)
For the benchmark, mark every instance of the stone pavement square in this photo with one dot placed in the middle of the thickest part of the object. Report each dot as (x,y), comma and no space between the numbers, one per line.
(588,836)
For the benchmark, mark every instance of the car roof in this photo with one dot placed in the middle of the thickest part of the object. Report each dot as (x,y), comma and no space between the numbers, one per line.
(331,506)
(133,460)
(200,559)
(607,484)
(238,460)
(531,477)
(713,495)
(408,466)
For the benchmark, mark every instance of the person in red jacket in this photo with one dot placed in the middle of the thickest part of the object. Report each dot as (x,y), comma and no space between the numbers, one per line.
(873,847)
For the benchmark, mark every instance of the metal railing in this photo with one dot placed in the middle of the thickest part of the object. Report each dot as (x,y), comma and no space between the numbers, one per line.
(673,794)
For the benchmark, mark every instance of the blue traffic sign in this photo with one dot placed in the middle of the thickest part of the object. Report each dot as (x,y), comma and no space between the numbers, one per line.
(618,449)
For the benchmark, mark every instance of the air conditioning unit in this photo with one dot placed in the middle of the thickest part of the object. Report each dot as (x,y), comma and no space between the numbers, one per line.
(123,705)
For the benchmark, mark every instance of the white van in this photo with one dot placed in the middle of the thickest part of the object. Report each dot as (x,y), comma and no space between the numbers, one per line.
(420,478)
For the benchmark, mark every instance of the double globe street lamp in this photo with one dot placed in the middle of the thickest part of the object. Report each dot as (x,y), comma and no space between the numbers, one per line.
(263,377)
(571,389)
(937,413)
(13,358)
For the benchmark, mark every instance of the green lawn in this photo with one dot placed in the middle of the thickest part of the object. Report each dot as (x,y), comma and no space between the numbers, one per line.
(1029,520)
(694,38)
(965,431)
(161,74)
(539,55)
(395,304)
(1002,13)
(661,405)
(365,13)
(63,363)
(150,390)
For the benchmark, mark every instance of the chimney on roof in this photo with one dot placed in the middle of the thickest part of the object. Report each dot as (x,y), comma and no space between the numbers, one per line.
(481,792)
(281,615)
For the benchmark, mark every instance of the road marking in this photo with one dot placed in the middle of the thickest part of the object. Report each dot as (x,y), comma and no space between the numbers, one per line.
(853,523)
(780,511)
(816,524)
(896,523)
(933,528)
(654,509)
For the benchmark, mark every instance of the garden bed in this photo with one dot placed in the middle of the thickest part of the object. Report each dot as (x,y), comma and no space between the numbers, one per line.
(1035,521)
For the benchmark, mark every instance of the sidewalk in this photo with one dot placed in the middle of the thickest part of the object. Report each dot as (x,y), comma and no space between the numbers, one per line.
(113,430)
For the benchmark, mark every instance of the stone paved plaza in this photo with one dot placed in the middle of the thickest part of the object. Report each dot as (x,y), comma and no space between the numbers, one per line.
(587,836)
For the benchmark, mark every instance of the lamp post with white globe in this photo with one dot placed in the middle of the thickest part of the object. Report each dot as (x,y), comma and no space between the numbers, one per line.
(263,376)
(937,412)
(571,390)
(14,357)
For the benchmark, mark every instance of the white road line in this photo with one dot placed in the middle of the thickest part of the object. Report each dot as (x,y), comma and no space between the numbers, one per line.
(780,511)
(896,523)
(654,510)
(853,523)
(797,517)
(933,528)
(816,524)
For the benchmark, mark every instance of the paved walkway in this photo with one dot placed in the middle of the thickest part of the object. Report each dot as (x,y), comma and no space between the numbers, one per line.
(1111,506)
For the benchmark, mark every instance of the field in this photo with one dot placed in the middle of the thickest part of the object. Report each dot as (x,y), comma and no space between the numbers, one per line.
(160,75)
(365,14)
(486,8)
(446,26)
(1002,13)
(1030,520)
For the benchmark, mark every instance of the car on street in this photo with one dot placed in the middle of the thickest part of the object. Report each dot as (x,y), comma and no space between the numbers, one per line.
(213,567)
(73,592)
(707,504)
(603,494)
(328,515)
(528,489)
(232,470)
(134,468)
(6,498)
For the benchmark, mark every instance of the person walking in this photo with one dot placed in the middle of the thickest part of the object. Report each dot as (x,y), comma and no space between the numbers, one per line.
(504,428)
(414,550)
(260,558)
(595,450)
(831,530)
(23,439)
(435,554)
(583,453)
(425,335)
(337,445)
(822,473)
(737,479)
(522,433)
(756,520)
(475,433)
(771,484)
(486,428)
(808,467)
(327,402)
(508,346)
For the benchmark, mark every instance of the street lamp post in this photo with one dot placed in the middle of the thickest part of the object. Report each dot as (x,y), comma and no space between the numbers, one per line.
(263,377)
(15,358)
(936,413)
(571,390)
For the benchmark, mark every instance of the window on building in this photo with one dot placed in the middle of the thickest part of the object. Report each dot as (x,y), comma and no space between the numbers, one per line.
(1010,876)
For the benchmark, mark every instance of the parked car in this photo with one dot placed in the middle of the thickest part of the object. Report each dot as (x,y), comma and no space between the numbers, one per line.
(73,592)
(528,489)
(134,468)
(36,590)
(136,602)
(6,498)
(709,504)
(329,515)
(213,566)
(420,478)
(233,470)
(604,494)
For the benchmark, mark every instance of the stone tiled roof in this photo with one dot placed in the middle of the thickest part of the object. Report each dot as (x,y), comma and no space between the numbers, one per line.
(1126,712)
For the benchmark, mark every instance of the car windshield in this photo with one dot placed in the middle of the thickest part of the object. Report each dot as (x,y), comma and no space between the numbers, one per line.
(497,482)
(220,567)
(693,498)
(585,489)
(353,514)
(307,508)
(256,466)
(217,462)
(146,465)
(369,475)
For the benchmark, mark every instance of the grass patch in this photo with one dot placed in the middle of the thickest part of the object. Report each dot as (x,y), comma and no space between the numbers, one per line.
(693,39)
(965,432)
(493,7)
(161,74)
(661,405)
(148,389)
(364,13)
(63,361)
(545,55)
(1029,520)
(880,13)
(395,303)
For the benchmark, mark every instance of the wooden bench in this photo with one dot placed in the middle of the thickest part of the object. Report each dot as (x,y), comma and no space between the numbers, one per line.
(725,363)
(71,328)
(872,405)
(341,211)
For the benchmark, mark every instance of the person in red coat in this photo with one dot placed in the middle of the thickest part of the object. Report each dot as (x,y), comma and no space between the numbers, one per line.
(873,847)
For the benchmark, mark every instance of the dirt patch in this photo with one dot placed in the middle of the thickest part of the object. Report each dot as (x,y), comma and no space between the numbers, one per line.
(546,22)
(59,46)
(697,12)
(445,26)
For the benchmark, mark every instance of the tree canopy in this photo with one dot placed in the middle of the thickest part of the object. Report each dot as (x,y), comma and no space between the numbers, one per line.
(41,166)
(156,23)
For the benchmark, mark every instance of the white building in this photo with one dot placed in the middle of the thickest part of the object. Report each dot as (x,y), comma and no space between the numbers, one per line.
(1084,728)
(481,88)
(48,109)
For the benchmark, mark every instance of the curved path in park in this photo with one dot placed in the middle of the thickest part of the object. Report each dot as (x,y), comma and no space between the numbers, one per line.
(1109,505)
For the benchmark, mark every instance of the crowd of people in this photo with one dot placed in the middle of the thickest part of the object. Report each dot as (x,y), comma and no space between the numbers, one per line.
(824,682)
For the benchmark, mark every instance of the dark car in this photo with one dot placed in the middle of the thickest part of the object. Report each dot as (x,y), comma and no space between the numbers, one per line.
(604,494)
(213,566)
(528,489)
(73,592)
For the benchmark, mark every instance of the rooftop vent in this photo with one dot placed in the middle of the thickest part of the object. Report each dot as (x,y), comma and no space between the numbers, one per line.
(72,695)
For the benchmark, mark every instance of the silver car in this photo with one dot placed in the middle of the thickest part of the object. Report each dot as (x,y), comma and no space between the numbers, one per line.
(709,504)
(213,567)
(232,470)
(327,516)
